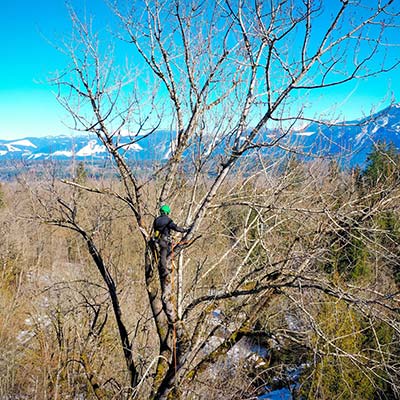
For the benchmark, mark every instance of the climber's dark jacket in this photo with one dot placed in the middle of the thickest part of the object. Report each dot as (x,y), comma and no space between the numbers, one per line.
(163,225)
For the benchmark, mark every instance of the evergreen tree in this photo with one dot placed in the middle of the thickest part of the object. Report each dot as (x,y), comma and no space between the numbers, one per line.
(383,171)
(80,173)
(382,165)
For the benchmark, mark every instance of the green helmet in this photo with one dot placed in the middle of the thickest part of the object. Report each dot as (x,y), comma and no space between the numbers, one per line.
(165,209)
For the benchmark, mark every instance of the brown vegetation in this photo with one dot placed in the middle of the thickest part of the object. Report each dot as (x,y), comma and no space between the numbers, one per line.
(291,258)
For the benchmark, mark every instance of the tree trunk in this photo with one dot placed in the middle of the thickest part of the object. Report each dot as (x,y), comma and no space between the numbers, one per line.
(112,291)
(163,323)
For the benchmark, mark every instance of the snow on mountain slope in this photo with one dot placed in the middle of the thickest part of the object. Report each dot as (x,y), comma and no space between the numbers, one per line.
(92,148)
(132,146)
(12,148)
(57,153)
(24,143)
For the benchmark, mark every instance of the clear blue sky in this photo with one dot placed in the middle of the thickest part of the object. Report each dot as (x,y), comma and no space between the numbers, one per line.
(27,105)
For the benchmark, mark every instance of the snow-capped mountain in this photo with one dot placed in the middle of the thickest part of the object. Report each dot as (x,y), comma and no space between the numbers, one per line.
(84,147)
(354,138)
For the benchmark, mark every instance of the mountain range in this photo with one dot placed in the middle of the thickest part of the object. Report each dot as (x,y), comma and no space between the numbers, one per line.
(355,138)
(84,147)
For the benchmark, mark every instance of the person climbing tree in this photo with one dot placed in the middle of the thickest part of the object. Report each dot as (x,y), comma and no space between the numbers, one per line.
(162,227)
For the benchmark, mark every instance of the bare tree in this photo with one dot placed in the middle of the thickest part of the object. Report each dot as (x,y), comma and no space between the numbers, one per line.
(230,75)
